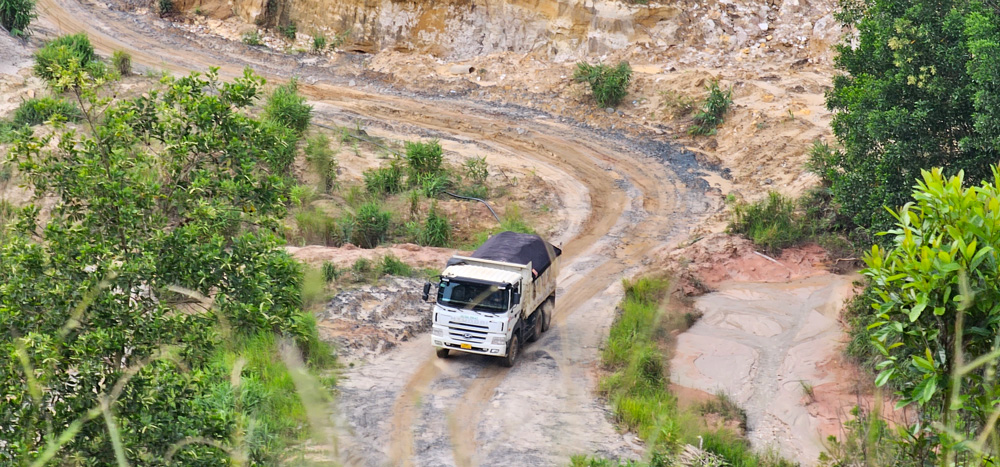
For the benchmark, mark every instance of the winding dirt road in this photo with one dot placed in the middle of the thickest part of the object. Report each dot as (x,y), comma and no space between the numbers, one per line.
(407,407)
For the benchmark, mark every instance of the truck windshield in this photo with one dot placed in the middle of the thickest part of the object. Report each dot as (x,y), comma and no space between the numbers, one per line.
(482,297)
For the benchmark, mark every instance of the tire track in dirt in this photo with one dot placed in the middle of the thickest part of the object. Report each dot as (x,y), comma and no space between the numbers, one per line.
(637,203)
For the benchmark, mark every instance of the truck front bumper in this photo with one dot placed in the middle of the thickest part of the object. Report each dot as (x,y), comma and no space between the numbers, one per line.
(483,348)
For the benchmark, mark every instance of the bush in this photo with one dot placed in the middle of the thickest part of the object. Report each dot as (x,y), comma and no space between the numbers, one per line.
(122,62)
(321,158)
(437,229)
(423,159)
(712,112)
(166,7)
(330,272)
(286,106)
(609,85)
(16,15)
(315,227)
(390,265)
(38,110)
(771,223)
(319,43)
(476,169)
(252,38)
(384,180)
(370,225)
(433,185)
(60,53)
(288,30)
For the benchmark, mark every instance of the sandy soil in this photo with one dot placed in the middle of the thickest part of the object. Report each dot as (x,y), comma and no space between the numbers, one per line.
(769,337)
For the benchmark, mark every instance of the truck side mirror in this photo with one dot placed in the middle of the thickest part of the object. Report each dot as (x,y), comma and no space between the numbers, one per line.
(427,290)
(515,298)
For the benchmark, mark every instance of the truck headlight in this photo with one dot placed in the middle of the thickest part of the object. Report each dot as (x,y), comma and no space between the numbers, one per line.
(499,340)
(437,332)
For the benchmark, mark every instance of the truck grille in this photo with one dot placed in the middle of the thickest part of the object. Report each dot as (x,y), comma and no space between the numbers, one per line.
(467,332)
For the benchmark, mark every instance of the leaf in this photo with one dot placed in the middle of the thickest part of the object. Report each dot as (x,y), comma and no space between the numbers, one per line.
(884,376)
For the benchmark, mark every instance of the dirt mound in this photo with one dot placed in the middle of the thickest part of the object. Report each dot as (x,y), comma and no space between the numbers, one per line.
(373,319)
(716,258)
(344,256)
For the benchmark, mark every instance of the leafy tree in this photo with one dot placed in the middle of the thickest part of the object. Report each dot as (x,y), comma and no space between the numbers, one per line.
(161,199)
(919,91)
(937,303)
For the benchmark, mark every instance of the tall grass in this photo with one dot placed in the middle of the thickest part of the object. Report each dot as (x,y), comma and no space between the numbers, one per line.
(608,84)
(778,222)
(713,111)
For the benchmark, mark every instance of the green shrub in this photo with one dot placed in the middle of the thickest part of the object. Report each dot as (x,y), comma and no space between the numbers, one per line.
(122,62)
(712,112)
(477,170)
(370,225)
(166,7)
(771,223)
(513,220)
(38,110)
(423,159)
(330,272)
(360,269)
(60,53)
(288,30)
(319,43)
(609,85)
(252,38)
(433,185)
(384,180)
(390,265)
(437,229)
(323,162)
(315,227)
(286,106)
(16,15)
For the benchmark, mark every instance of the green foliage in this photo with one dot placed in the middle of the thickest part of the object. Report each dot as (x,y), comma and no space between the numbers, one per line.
(869,440)
(286,106)
(608,84)
(384,180)
(737,452)
(512,220)
(771,223)
(433,185)
(423,160)
(315,227)
(726,407)
(110,347)
(437,229)
(16,15)
(38,110)
(63,53)
(390,265)
(936,300)
(319,43)
(288,30)
(778,222)
(713,111)
(919,91)
(477,170)
(330,272)
(323,161)
(370,225)
(122,62)
(166,7)
(252,38)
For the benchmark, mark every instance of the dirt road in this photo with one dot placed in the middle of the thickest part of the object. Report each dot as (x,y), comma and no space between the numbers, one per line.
(407,407)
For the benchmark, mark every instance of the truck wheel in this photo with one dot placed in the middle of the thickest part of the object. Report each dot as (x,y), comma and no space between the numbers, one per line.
(548,308)
(513,348)
(536,328)
(442,353)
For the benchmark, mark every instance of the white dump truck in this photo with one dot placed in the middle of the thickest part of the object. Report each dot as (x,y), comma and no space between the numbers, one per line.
(494,300)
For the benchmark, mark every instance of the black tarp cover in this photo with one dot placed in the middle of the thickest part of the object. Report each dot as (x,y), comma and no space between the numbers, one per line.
(518,248)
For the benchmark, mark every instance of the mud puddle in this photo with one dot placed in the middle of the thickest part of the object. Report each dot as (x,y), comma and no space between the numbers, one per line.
(771,347)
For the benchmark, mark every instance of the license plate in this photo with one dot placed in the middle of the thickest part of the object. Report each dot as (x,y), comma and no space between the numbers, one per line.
(466,346)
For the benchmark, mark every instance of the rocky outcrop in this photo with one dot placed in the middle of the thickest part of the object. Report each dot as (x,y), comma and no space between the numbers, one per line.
(560,29)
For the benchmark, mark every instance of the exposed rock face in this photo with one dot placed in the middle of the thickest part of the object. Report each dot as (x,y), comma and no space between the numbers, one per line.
(561,29)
